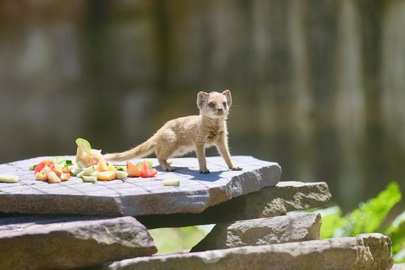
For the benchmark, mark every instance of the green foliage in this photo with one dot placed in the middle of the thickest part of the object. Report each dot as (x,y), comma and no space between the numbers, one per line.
(369,218)
(178,239)
(396,231)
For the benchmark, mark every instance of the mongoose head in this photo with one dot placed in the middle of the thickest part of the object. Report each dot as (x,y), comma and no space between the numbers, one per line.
(214,104)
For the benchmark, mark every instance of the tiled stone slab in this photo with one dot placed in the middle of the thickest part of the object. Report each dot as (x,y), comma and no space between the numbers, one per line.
(137,196)
(61,243)
(366,251)
(269,202)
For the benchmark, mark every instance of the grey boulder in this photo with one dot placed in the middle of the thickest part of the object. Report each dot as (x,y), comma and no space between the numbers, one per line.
(262,231)
(366,251)
(43,243)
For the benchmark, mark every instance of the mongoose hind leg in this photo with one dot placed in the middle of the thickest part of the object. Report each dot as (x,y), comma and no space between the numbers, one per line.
(165,165)
(162,156)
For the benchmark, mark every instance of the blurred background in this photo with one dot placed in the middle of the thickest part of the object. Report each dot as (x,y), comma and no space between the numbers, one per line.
(318,86)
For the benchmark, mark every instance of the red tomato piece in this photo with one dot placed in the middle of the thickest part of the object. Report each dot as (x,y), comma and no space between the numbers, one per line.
(146,172)
(152,172)
(44,163)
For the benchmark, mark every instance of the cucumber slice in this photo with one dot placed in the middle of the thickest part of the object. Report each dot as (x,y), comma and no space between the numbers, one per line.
(8,178)
(171,182)
(75,169)
(32,167)
(65,163)
(87,178)
(86,171)
(121,174)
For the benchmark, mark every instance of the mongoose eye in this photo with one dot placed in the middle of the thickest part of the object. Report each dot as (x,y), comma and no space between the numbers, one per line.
(224,104)
(211,104)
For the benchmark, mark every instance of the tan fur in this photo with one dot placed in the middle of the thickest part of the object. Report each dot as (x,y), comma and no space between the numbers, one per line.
(191,133)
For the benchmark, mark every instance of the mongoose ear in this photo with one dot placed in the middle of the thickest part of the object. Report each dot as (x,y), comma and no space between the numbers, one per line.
(201,98)
(227,94)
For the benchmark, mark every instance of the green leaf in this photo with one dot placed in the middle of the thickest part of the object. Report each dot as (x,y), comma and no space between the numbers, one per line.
(369,216)
(331,220)
(396,231)
(366,219)
(399,257)
(176,239)
(120,168)
(63,162)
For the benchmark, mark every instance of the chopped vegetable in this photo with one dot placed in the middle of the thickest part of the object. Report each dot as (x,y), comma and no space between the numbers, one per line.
(143,169)
(32,167)
(48,171)
(146,171)
(75,169)
(68,162)
(140,164)
(83,144)
(64,176)
(85,155)
(171,182)
(121,175)
(53,178)
(87,171)
(8,178)
(90,165)
(41,176)
(102,165)
(89,178)
(65,163)
(132,170)
(106,176)
(120,168)
(44,163)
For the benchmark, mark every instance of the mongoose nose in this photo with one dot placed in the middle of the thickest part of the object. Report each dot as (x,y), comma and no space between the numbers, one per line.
(220,109)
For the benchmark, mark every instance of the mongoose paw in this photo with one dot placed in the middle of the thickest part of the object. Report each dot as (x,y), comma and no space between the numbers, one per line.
(236,168)
(206,171)
(165,166)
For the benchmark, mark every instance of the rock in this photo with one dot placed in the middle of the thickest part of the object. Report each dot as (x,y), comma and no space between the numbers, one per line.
(262,231)
(268,202)
(369,251)
(137,196)
(43,243)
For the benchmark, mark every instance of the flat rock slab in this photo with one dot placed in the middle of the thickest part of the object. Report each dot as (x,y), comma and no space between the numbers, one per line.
(262,231)
(43,243)
(368,251)
(286,196)
(136,196)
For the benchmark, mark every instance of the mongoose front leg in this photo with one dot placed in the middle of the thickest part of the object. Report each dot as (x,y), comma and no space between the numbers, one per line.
(224,152)
(200,151)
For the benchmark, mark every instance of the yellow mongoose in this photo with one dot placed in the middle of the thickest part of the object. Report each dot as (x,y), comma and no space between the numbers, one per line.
(185,134)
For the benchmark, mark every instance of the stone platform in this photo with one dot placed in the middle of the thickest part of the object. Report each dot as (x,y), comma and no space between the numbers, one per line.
(83,225)
(136,196)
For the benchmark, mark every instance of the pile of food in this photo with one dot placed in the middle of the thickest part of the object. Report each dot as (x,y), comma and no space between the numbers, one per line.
(90,165)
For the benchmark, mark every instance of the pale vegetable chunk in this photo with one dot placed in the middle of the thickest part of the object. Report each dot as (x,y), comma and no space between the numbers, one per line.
(8,178)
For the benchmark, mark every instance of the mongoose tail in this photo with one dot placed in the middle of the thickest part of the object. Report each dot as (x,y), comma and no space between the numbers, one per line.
(143,150)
